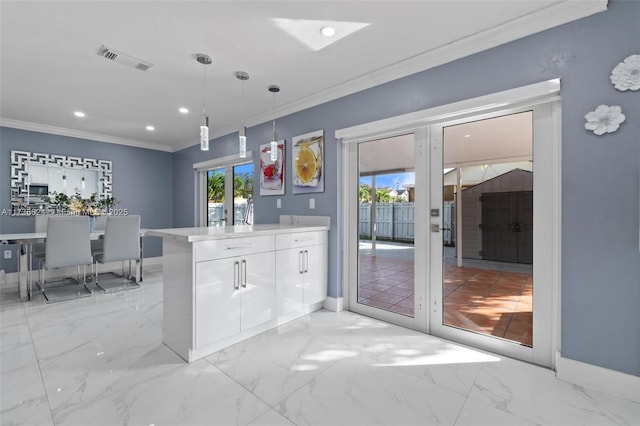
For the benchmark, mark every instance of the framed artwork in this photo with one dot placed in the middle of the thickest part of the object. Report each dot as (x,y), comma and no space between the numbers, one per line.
(271,172)
(307,163)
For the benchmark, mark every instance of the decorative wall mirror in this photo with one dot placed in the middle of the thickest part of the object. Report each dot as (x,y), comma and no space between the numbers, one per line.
(35,176)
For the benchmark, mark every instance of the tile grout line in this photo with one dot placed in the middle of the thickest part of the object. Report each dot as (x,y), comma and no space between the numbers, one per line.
(35,352)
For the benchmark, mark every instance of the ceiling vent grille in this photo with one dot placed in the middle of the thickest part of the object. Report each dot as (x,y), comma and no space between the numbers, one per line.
(123,58)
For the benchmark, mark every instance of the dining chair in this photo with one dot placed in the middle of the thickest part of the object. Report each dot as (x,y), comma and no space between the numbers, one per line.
(40,226)
(97,244)
(121,243)
(67,244)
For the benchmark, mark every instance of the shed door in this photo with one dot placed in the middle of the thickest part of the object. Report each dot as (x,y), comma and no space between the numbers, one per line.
(507,227)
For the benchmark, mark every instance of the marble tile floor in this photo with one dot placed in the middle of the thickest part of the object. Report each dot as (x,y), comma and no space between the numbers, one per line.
(100,361)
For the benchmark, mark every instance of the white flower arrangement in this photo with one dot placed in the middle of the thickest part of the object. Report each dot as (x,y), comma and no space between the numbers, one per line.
(626,75)
(605,119)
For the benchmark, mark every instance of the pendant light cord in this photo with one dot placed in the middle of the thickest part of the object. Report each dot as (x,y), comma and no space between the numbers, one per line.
(204,85)
(274,114)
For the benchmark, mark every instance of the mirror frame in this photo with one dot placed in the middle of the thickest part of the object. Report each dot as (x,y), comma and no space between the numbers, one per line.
(19,174)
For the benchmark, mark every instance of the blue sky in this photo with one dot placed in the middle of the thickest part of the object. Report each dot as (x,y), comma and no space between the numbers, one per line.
(394,180)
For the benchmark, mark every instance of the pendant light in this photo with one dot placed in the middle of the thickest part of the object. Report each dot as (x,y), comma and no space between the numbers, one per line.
(242,133)
(274,141)
(204,125)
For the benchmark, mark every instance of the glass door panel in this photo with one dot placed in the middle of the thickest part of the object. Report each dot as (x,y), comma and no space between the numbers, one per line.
(243,194)
(487,241)
(386,184)
(216,214)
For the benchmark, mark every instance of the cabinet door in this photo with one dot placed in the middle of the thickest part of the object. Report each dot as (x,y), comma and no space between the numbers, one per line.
(258,303)
(315,275)
(289,289)
(217,302)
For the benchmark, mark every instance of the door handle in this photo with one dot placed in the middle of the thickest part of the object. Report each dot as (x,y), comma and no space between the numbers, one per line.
(300,262)
(306,261)
(236,275)
(244,273)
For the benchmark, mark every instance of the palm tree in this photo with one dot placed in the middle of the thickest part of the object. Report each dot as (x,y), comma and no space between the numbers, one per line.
(215,187)
(383,196)
(364,193)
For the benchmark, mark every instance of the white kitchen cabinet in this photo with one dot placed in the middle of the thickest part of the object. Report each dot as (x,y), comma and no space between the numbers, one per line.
(217,310)
(289,283)
(233,294)
(301,270)
(315,274)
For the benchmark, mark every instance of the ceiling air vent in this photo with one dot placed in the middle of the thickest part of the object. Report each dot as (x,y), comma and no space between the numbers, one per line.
(123,58)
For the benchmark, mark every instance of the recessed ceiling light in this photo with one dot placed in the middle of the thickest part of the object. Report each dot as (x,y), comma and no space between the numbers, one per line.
(150,128)
(184,110)
(79,114)
(467,136)
(328,31)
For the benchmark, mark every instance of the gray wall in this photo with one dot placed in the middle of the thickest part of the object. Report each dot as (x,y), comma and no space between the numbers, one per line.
(142,178)
(600,256)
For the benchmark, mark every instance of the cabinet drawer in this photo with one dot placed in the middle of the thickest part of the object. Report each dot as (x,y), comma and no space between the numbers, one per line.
(300,239)
(231,247)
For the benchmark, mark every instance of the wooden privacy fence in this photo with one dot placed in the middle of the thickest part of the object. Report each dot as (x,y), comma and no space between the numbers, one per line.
(395,221)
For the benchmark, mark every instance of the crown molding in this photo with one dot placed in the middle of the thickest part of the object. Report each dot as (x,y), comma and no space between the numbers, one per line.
(62,131)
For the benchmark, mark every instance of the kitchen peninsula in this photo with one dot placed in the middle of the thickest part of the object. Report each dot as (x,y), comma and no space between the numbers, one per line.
(222,285)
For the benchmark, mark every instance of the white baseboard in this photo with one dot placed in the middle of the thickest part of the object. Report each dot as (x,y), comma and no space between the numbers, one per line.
(601,379)
(334,304)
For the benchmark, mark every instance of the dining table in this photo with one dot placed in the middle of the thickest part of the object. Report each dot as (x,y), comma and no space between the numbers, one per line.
(27,240)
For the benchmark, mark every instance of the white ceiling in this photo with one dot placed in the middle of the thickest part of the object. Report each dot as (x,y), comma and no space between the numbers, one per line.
(49,65)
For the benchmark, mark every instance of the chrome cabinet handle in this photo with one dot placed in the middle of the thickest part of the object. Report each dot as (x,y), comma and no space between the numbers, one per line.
(300,263)
(306,261)
(236,275)
(239,247)
(244,269)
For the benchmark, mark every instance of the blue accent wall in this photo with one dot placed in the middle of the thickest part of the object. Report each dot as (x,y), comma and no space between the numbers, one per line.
(600,288)
(600,319)
(142,178)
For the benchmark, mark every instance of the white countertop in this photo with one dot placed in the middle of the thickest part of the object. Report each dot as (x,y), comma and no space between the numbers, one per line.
(221,232)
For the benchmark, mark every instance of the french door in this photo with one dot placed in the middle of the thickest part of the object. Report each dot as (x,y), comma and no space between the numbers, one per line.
(225,191)
(469,284)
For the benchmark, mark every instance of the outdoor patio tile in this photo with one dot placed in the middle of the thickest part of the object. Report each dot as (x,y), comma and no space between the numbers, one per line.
(376,304)
(400,291)
(388,298)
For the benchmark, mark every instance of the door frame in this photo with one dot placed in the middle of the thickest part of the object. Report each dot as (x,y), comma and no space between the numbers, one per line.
(421,123)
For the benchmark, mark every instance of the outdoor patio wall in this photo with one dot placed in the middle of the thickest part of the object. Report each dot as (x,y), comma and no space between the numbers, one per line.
(142,178)
(600,256)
